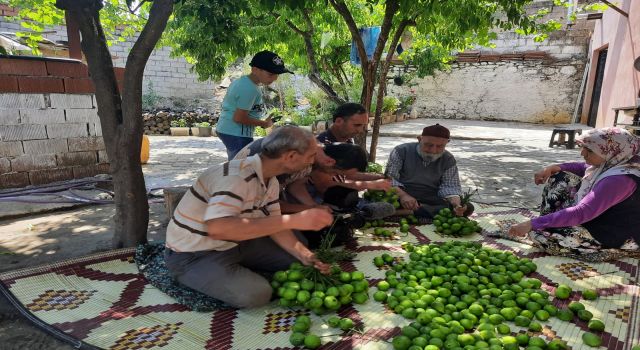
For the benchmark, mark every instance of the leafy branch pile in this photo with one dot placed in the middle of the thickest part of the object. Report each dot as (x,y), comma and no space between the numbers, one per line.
(330,255)
(306,286)
(467,195)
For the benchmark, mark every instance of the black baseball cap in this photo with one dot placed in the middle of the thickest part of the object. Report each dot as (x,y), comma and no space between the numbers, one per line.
(270,62)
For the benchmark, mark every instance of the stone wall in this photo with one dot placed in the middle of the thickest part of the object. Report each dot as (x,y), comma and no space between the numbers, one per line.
(49,126)
(165,77)
(526,91)
(519,79)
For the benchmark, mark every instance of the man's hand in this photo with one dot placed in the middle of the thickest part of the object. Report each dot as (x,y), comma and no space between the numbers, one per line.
(459,210)
(456,204)
(312,260)
(521,229)
(311,219)
(308,258)
(267,123)
(409,202)
(380,184)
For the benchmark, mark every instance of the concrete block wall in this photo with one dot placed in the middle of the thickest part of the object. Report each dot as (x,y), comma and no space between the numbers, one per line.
(164,76)
(47,132)
(569,43)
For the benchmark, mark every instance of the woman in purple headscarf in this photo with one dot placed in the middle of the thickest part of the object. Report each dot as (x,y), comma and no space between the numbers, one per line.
(591,209)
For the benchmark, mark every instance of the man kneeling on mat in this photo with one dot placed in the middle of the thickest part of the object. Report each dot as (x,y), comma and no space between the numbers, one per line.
(229,225)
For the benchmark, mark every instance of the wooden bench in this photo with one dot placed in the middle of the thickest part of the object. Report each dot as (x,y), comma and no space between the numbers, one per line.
(566,136)
(634,127)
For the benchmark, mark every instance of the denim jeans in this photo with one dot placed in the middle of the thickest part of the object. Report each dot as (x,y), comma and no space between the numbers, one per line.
(234,143)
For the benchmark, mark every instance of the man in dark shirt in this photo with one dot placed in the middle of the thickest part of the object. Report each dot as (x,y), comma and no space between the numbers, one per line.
(349,120)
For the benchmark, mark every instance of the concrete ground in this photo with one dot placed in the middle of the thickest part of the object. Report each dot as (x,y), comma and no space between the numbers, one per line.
(497,158)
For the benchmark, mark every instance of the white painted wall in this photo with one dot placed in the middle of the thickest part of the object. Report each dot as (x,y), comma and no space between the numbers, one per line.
(525,91)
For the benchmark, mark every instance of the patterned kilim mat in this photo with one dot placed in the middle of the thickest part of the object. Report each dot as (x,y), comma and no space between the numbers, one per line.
(103,301)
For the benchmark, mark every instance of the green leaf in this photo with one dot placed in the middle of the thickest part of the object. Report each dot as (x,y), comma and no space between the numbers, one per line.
(326,38)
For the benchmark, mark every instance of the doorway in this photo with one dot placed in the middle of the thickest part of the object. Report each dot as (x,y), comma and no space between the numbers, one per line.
(597,88)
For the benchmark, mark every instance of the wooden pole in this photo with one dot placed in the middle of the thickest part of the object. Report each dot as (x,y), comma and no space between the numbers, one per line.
(616,8)
(73,37)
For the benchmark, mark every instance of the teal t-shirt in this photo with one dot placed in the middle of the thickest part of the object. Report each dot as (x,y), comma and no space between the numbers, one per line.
(241,94)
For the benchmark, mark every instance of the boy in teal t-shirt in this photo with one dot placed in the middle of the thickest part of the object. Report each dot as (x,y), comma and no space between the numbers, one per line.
(242,106)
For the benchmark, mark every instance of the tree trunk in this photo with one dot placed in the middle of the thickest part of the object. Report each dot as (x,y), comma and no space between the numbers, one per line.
(384,70)
(369,81)
(369,67)
(121,116)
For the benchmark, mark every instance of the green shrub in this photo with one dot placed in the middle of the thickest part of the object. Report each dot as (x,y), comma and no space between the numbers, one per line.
(180,123)
(290,99)
(406,102)
(375,168)
(150,99)
(390,104)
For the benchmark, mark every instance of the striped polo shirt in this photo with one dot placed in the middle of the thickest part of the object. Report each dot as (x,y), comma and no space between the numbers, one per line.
(235,188)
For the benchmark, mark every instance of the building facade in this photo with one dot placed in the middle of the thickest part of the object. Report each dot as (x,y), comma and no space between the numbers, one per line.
(613,82)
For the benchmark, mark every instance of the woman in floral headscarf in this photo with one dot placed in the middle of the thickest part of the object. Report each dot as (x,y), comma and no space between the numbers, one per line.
(596,217)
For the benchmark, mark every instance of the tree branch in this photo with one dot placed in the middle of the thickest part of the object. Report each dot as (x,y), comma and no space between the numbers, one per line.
(394,43)
(140,52)
(76,5)
(314,71)
(389,11)
(343,10)
(137,7)
(307,19)
(291,25)
(384,70)
(95,49)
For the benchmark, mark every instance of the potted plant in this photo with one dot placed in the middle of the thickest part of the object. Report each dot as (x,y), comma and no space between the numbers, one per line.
(204,129)
(407,105)
(179,127)
(306,121)
(389,107)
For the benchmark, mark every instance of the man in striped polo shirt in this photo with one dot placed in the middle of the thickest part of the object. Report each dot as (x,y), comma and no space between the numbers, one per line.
(294,196)
(229,224)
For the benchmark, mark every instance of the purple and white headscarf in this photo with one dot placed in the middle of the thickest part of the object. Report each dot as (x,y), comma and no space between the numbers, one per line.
(618,147)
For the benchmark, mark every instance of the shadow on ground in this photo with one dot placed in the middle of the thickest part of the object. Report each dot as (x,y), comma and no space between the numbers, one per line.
(47,238)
